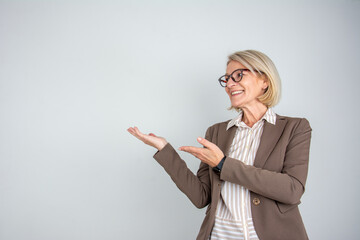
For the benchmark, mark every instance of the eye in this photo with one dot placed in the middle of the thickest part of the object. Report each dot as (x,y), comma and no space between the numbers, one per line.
(240,74)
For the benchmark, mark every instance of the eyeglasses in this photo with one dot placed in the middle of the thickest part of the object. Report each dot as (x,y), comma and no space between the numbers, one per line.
(236,76)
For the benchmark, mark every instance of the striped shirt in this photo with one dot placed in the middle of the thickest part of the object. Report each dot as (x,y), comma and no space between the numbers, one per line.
(233,218)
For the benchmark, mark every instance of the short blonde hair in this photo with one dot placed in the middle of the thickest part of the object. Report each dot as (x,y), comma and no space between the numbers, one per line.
(258,62)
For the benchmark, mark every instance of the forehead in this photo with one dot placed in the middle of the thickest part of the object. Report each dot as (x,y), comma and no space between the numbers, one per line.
(232,66)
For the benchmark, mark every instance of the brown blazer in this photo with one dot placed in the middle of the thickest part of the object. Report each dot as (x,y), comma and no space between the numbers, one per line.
(276,181)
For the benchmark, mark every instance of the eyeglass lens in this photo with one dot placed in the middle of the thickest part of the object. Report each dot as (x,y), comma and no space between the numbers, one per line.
(236,76)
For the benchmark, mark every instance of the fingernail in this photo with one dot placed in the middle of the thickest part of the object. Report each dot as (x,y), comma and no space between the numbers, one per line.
(199,138)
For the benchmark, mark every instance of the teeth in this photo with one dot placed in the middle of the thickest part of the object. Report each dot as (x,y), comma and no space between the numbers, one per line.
(236,92)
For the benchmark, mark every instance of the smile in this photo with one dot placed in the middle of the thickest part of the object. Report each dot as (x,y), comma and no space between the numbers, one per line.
(236,92)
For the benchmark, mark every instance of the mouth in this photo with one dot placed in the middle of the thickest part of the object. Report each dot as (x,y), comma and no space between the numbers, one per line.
(237,92)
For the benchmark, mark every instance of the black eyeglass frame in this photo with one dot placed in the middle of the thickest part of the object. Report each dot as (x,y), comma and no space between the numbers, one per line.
(231,76)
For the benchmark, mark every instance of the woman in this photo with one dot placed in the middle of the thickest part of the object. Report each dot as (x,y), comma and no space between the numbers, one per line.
(253,168)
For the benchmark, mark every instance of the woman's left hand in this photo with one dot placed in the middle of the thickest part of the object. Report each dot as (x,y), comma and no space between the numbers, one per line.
(210,155)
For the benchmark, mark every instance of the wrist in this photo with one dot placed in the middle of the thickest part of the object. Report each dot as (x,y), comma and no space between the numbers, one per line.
(161,146)
(218,167)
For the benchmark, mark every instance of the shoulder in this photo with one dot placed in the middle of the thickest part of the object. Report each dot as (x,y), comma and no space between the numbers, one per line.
(294,122)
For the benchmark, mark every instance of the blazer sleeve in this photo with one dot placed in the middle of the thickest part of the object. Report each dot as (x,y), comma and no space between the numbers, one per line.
(286,186)
(196,187)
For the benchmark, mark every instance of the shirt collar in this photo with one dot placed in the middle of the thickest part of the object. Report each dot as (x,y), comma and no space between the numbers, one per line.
(269,116)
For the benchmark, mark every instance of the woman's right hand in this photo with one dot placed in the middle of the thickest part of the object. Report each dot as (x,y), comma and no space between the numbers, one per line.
(149,139)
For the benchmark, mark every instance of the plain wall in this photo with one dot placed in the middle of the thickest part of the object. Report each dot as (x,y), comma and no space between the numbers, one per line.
(74,75)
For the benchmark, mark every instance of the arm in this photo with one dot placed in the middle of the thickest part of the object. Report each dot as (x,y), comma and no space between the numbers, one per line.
(196,187)
(286,186)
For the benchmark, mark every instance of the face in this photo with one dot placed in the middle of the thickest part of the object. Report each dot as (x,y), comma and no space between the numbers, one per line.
(244,94)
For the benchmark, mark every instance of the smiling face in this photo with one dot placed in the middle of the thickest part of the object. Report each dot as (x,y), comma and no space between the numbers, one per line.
(244,94)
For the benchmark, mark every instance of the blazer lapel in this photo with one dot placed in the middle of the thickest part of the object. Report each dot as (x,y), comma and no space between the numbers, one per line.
(269,139)
(225,139)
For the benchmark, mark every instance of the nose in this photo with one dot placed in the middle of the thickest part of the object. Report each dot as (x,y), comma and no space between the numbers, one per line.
(230,83)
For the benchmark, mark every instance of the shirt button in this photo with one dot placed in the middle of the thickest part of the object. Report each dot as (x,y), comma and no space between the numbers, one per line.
(256,201)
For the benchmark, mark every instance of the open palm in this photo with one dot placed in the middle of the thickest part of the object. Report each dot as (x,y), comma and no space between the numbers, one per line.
(149,139)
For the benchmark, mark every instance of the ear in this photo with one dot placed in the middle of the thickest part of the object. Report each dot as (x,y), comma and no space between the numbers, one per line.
(264,82)
(266,86)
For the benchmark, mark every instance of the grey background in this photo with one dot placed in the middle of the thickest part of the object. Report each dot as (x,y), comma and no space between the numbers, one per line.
(74,75)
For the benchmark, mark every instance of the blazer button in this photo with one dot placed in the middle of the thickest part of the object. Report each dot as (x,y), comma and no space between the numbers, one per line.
(256,201)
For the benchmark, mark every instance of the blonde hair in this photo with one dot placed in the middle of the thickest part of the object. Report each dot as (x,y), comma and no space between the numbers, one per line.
(258,62)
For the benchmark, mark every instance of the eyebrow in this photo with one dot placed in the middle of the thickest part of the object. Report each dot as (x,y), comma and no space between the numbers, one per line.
(245,70)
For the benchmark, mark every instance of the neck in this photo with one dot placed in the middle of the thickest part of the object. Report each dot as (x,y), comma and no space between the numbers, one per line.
(253,114)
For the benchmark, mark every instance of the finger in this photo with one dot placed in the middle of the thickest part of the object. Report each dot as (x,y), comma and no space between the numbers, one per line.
(137,132)
(139,135)
(131,130)
(190,149)
(153,135)
(205,142)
